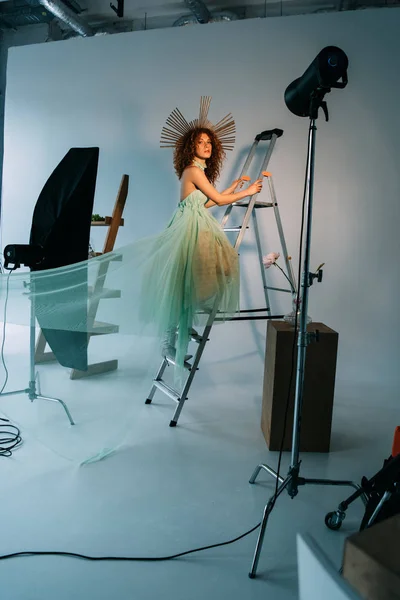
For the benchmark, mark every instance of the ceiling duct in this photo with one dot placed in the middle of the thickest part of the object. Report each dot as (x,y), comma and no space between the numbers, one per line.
(215,17)
(223,16)
(187,20)
(13,15)
(67,16)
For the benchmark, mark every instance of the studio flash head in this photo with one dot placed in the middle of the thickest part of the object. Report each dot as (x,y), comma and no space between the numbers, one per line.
(22,254)
(324,73)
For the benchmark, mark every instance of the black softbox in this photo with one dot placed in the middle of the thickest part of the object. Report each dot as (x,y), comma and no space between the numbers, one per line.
(61,227)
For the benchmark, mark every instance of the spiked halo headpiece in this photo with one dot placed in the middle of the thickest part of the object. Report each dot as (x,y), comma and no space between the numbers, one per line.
(177,126)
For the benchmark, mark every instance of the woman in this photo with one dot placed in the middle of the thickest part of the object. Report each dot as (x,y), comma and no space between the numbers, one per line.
(197,161)
(195,265)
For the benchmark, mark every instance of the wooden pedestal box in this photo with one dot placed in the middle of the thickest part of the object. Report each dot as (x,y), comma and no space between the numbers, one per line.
(319,387)
(371,561)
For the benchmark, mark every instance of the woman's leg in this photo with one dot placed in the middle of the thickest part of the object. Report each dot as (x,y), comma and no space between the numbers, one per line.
(168,343)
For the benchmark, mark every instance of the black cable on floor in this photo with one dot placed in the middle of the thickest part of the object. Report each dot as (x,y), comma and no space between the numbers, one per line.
(126,558)
(10,437)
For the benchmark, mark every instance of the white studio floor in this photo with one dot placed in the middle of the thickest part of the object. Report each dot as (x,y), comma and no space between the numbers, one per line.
(169,490)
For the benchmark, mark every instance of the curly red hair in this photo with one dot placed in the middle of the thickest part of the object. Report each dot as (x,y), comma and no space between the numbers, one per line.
(184,153)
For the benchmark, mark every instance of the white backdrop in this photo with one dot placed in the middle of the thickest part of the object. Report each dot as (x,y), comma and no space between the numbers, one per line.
(116,91)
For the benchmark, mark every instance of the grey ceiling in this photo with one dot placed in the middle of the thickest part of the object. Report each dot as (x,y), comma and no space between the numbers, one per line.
(150,14)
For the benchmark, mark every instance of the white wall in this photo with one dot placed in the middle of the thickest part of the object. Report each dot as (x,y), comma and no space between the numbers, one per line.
(30,34)
(116,92)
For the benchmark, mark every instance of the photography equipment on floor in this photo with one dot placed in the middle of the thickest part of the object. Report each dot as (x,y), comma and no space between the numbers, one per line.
(304,97)
(380,494)
(251,205)
(65,204)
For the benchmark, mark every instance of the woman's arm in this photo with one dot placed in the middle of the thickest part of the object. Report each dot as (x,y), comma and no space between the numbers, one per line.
(199,179)
(232,188)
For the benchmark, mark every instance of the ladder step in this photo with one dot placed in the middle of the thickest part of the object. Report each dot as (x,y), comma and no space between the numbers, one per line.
(106,222)
(168,390)
(234,228)
(100,328)
(116,257)
(196,338)
(258,204)
(105,292)
(275,289)
(171,361)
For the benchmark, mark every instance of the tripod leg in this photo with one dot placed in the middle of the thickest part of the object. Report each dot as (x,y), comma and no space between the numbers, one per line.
(271,472)
(65,407)
(267,511)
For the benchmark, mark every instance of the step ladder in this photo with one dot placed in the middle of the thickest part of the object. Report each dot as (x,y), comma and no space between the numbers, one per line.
(251,205)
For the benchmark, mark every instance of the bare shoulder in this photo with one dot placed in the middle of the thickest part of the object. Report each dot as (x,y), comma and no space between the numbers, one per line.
(191,172)
(187,181)
(190,168)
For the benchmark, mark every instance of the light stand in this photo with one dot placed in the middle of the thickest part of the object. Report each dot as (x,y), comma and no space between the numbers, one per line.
(31,389)
(292,481)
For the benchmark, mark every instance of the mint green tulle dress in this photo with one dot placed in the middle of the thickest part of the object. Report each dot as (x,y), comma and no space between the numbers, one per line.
(192,266)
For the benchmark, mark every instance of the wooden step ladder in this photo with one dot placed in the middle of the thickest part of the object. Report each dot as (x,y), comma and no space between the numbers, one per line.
(98,291)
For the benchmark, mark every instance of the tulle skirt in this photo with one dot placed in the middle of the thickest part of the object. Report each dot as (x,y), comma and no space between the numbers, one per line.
(191,266)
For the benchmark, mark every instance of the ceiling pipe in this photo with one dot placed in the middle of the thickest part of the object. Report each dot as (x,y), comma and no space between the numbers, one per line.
(215,17)
(226,15)
(199,9)
(67,16)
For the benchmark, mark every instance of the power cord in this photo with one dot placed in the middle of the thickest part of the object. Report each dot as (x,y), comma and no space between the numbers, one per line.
(10,435)
(127,558)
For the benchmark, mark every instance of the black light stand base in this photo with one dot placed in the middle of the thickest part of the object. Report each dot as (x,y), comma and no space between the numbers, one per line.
(291,483)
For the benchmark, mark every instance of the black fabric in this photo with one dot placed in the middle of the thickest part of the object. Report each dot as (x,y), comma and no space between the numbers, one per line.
(61,225)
